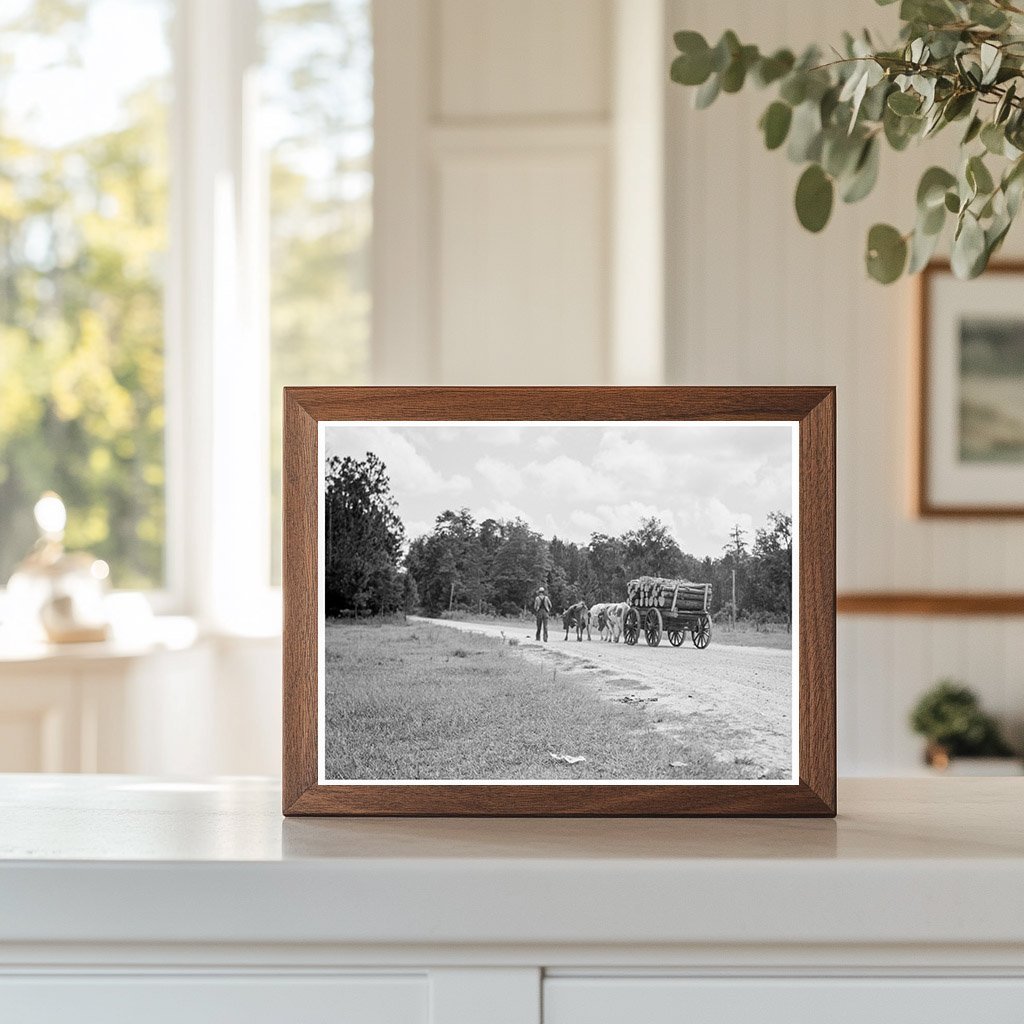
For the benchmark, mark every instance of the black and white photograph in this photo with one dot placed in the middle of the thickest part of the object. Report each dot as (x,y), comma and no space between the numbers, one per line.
(558,602)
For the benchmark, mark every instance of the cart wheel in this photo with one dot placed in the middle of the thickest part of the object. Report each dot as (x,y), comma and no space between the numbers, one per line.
(652,627)
(676,637)
(701,632)
(631,627)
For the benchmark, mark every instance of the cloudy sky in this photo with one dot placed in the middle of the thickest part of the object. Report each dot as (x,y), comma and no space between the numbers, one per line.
(571,480)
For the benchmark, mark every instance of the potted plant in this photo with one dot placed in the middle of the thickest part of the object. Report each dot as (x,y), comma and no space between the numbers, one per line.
(950,718)
(956,62)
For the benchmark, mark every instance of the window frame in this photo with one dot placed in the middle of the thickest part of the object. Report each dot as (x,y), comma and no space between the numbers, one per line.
(217,345)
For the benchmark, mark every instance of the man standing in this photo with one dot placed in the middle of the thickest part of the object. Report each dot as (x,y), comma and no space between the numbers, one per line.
(542,609)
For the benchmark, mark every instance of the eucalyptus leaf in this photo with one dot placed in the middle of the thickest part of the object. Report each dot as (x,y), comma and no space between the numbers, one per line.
(1005,105)
(1013,186)
(932,221)
(775,124)
(707,93)
(814,196)
(840,152)
(873,106)
(968,248)
(973,130)
(922,247)
(687,70)
(900,130)
(903,103)
(931,190)
(865,173)
(933,122)
(805,133)
(886,253)
(958,105)
(794,88)
(724,51)
(987,15)
(771,69)
(978,176)
(991,60)
(735,74)
(993,138)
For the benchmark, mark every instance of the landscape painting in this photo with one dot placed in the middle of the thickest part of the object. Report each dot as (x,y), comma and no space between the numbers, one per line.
(991,390)
(561,602)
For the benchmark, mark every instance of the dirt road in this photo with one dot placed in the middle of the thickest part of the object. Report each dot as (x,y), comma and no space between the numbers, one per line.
(739,699)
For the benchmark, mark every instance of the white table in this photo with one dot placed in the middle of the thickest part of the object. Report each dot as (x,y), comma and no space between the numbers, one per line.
(132,898)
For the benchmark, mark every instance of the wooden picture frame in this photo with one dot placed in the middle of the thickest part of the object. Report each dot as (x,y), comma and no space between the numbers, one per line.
(811,791)
(939,490)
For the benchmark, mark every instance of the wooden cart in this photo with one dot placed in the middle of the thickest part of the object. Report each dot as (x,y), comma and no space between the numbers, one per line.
(659,606)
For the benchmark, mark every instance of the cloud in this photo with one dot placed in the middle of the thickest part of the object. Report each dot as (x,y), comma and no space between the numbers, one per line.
(572,480)
(417,528)
(499,433)
(700,526)
(499,509)
(407,468)
(501,475)
(564,475)
(632,461)
(617,518)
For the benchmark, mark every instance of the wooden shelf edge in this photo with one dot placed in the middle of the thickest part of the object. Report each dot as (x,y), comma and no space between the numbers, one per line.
(928,603)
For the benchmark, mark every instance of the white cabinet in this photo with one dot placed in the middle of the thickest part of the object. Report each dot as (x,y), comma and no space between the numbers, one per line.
(133,899)
(830,1000)
(216,1000)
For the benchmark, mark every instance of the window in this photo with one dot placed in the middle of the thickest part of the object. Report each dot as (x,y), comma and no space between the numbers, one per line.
(238,217)
(83,236)
(317,116)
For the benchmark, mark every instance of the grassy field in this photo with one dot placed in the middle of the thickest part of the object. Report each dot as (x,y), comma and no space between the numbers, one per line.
(426,702)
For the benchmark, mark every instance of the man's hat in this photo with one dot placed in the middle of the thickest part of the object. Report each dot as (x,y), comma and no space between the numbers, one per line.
(540,590)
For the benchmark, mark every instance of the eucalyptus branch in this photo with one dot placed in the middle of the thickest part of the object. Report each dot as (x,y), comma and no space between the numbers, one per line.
(954,60)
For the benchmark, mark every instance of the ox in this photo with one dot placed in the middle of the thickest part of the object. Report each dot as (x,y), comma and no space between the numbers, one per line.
(616,615)
(599,620)
(577,616)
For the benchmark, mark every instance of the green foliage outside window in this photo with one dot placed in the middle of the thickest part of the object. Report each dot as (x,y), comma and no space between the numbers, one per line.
(83,218)
(317,114)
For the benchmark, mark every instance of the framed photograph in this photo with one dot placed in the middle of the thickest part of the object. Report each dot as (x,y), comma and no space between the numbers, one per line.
(970,451)
(559,601)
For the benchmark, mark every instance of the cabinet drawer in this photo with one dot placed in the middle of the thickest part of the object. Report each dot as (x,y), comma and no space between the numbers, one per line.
(676,1000)
(202,999)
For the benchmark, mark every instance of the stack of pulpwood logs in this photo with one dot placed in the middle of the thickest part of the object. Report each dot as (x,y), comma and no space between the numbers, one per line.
(668,595)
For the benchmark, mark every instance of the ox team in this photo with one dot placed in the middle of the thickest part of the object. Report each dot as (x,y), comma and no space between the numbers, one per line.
(604,619)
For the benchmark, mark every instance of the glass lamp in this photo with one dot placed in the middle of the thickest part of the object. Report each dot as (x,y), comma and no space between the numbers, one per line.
(55,595)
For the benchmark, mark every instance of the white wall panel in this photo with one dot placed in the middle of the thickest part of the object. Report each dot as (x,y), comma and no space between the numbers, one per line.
(522,286)
(754,299)
(530,58)
(494,207)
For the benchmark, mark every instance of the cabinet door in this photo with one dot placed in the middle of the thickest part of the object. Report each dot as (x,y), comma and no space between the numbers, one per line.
(782,1001)
(202,999)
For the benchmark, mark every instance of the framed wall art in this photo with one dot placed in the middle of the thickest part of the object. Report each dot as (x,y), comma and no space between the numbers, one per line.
(559,601)
(970,445)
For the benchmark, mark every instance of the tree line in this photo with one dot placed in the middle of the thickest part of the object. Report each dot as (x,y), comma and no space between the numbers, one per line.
(495,566)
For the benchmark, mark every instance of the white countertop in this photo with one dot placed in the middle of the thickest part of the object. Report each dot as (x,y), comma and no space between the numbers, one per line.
(123,859)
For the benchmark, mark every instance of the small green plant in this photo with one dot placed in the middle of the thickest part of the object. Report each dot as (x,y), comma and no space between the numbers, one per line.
(956,61)
(950,717)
